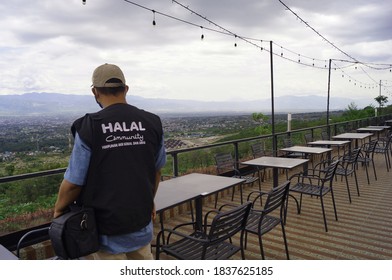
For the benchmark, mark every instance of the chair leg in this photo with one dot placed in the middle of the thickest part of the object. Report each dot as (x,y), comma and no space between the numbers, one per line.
(334,204)
(387,162)
(348,189)
(356,181)
(374,169)
(246,240)
(322,208)
(242,245)
(367,173)
(261,247)
(300,204)
(285,240)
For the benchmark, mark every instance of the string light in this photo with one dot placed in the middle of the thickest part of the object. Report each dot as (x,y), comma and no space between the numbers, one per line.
(318,33)
(301,59)
(153,20)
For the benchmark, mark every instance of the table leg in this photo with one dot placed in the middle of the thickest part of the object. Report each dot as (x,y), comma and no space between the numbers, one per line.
(199,213)
(275,175)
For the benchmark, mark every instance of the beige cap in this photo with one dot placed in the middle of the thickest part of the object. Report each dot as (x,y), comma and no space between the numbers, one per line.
(104,73)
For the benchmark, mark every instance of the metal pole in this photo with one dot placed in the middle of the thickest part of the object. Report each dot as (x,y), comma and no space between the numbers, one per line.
(380,88)
(274,144)
(329,92)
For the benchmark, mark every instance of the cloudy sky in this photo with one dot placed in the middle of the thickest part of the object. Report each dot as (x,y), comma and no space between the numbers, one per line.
(54,45)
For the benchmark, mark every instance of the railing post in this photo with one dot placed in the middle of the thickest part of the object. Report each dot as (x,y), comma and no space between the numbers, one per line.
(175,164)
(275,145)
(236,155)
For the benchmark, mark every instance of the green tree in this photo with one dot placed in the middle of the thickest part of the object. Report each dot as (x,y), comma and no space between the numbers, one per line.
(262,119)
(381,100)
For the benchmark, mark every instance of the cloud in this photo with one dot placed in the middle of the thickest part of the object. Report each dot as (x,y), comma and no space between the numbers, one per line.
(54,45)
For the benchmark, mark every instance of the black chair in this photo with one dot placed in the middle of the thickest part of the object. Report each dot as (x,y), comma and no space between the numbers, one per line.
(324,135)
(32,237)
(367,156)
(226,166)
(258,151)
(317,184)
(262,221)
(211,243)
(347,167)
(308,138)
(384,147)
(287,143)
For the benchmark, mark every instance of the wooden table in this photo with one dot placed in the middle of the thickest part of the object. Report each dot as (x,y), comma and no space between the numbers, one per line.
(330,143)
(388,122)
(353,136)
(306,151)
(275,163)
(191,187)
(371,129)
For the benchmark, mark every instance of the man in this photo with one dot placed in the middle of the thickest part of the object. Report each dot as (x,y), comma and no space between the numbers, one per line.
(115,168)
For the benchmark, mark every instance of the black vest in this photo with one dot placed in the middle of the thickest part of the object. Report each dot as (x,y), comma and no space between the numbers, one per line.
(124,141)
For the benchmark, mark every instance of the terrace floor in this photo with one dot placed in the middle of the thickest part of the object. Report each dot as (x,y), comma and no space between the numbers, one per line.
(363,229)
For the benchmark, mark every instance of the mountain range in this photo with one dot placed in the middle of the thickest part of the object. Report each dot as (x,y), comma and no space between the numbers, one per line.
(35,104)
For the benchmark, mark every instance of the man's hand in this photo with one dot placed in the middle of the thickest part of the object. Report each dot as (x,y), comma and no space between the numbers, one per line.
(154,213)
(68,193)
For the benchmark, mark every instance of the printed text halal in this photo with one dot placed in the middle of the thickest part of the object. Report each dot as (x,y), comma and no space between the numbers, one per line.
(122,127)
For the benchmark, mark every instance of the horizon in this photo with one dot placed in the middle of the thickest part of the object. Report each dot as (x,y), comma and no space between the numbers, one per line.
(42,103)
(52,45)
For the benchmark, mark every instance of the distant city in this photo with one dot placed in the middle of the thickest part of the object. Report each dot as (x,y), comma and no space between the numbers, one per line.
(44,104)
(40,122)
(51,134)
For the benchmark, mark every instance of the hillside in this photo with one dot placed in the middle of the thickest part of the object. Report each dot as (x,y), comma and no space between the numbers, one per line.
(31,104)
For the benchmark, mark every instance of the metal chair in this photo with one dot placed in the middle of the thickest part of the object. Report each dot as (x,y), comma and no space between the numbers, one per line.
(32,237)
(366,157)
(226,166)
(211,243)
(287,143)
(384,147)
(324,135)
(262,221)
(347,167)
(317,184)
(258,151)
(308,138)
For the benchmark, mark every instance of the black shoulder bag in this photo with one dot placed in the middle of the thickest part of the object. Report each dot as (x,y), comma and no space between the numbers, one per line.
(74,234)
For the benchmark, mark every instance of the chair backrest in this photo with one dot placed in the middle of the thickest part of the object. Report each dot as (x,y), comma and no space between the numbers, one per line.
(257,150)
(226,224)
(324,135)
(388,142)
(308,137)
(369,147)
(351,157)
(287,142)
(224,163)
(276,198)
(330,171)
